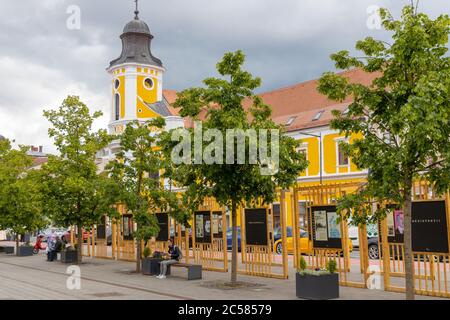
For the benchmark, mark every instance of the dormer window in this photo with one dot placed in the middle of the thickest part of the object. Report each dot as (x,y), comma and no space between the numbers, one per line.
(318,115)
(290,121)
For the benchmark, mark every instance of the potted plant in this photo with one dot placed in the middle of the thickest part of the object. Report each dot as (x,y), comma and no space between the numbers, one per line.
(151,263)
(25,250)
(69,255)
(318,284)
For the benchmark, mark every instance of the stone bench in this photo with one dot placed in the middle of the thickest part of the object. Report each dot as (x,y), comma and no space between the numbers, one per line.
(7,250)
(194,270)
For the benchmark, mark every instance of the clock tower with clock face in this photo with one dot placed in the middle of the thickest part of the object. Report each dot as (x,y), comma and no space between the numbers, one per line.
(136,79)
(136,85)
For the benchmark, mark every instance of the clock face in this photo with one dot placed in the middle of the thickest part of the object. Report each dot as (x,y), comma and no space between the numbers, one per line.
(148,83)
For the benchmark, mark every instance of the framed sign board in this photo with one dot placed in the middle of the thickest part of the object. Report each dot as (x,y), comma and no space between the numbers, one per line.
(216,225)
(326,231)
(101,229)
(163,223)
(429,227)
(256,227)
(394,221)
(202,223)
(127,227)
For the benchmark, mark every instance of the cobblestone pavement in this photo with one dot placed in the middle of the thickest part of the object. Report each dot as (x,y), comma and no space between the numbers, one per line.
(35,278)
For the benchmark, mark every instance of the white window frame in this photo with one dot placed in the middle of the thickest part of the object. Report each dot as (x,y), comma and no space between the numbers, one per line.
(304,147)
(337,142)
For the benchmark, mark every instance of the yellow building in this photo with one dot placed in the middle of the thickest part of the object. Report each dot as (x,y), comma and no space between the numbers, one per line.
(137,93)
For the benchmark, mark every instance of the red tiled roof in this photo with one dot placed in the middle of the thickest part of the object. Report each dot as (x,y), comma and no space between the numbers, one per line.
(37,161)
(303,101)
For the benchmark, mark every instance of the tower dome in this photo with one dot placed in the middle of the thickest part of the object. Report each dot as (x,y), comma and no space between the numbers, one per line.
(136,26)
(136,44)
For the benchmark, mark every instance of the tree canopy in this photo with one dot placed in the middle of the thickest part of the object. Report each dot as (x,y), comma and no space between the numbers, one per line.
(211,169)
(404,115)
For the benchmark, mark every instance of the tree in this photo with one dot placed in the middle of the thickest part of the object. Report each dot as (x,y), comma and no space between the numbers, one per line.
(20,201)
(230,179)
(403,116)
(136,172)
(75,195)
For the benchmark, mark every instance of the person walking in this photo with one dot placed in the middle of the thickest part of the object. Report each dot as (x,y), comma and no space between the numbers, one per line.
(173,256)
(51,246)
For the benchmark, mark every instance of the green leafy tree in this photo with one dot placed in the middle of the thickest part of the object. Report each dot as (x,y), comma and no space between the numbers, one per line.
(136,171)
(20,200)
(241,181)
(404,115)
(75,194)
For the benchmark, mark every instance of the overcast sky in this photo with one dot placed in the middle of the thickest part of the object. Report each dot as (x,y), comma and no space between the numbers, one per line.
(286,42)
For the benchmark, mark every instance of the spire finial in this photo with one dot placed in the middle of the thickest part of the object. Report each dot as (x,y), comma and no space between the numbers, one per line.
(136,12)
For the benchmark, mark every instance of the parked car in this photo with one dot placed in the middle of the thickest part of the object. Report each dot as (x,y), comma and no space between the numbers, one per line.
(373,248)
(305,243)
(230,238)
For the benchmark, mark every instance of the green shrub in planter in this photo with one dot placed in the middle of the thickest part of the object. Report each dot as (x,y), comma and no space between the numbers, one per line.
(317,284)
(151,263)
(147,252)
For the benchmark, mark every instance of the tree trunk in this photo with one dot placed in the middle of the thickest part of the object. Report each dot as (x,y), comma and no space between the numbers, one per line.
(138,256)
(17,244)
(409,267)
(80,242)
(234,248)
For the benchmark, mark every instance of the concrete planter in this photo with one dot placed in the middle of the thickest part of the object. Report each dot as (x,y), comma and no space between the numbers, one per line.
(151,266)
(317,287)
(25,251)
(69,256)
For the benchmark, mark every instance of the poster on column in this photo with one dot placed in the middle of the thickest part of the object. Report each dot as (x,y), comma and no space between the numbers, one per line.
(326,230)
(163,223)
(320,225)
(216,224)
(203,227)
(334,227)
(394,222)
(256,227)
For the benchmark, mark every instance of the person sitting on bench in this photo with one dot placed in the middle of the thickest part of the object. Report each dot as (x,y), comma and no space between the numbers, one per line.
(173,257)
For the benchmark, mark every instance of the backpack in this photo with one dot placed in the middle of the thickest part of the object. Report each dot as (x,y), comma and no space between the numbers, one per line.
(178,251)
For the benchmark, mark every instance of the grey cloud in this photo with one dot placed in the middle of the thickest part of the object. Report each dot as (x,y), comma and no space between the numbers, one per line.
(286,42)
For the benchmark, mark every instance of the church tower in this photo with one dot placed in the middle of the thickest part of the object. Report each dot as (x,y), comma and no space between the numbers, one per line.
(136,79)
(136,87)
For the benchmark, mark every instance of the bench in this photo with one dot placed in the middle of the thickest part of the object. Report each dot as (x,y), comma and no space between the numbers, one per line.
(194,270)
(7,250)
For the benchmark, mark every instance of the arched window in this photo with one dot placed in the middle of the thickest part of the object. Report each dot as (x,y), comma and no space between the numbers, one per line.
(117,106)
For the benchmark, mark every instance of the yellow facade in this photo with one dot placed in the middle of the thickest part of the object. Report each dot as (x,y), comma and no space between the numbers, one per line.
(332,172)
(146,93)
